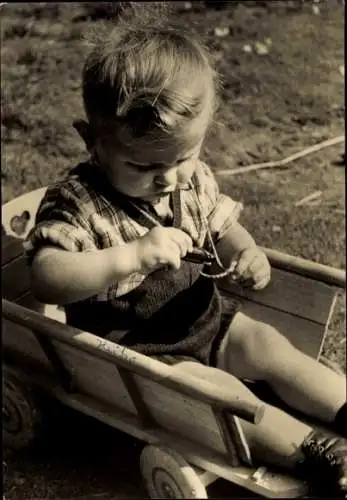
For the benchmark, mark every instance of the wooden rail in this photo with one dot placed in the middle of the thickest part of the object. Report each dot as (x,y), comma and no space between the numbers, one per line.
(304,267)
(205,391)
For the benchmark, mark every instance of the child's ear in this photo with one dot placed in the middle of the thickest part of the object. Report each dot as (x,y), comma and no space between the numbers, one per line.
(84,130)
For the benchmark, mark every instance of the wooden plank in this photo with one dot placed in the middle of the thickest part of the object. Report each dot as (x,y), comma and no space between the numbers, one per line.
(14,271)
(290,293)
(233,441)
(183,415)
(234,430)
(15,279)
(95,377)
(326,328)
(304,267)
(167,408)
(63,374)
(228,424)
(144,413)
(21,341)
(11,248)
(304,334)
(142,365)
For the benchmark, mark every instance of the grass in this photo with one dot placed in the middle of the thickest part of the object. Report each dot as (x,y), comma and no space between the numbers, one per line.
(271,106)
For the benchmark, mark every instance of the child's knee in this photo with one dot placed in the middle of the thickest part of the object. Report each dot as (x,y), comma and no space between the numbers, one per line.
(277,353)
(259,346)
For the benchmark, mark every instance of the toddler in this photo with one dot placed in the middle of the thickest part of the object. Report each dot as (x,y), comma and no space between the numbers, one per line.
(113,243)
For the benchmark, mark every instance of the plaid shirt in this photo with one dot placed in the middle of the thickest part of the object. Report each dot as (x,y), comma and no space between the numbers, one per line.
(76,218)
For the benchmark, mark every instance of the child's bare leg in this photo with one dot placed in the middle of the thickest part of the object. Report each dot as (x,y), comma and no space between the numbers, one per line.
(256,351)
(277,438)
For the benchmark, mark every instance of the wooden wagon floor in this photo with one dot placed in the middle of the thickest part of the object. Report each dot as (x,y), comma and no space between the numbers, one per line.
(83,459)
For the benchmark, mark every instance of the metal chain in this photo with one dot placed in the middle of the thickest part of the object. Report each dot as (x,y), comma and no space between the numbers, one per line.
(226,270)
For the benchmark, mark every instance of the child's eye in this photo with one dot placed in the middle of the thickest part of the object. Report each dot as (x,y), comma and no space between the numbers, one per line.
(152,167)
(141,168)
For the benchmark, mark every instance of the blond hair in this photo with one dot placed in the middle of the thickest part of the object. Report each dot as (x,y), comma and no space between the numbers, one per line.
(147,78)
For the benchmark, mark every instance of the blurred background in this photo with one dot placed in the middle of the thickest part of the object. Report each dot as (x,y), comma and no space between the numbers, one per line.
(281,65)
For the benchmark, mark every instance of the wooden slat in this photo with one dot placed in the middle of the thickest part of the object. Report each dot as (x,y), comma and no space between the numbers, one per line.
(144,414)
(164,407)
(237,437)
(233,441)
(100,380)
(95,377)
(229,424)
(150,368)
(290,293)
(183,415)
(15,279)
(63,374)
(11,248)
(304,334)
(21,341)
(304,267)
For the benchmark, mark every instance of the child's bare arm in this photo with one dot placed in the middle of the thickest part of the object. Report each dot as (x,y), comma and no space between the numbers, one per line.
(62,277)
(234,241)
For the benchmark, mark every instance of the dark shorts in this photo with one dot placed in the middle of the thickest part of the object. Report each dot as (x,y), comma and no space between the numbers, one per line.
(193,346)
(234,306)
(171,313)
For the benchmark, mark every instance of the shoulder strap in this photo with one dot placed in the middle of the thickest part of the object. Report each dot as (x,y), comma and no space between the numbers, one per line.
(176,205)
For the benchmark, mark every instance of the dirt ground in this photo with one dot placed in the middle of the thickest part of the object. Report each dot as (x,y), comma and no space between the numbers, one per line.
(282,71)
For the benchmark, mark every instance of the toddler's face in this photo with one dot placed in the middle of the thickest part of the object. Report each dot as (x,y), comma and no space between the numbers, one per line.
(150,171)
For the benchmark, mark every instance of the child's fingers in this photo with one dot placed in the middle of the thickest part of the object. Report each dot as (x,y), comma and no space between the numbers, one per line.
(174,258)
(256,266)
(260,284)
(183,240)
(243,263)
(246,262)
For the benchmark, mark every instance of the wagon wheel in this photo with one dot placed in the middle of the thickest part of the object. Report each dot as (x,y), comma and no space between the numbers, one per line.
(331,364)
(21,415)
(167,475)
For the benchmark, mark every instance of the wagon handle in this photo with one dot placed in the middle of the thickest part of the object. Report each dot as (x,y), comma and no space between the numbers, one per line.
(151,369)
(220,397)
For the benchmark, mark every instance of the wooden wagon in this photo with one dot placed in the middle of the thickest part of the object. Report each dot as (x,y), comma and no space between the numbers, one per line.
(190,424)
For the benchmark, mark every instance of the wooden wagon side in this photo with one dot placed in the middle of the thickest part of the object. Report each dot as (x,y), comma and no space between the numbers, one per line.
(143,397)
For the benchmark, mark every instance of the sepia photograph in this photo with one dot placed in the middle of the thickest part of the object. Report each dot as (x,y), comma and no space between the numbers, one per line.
(173,250)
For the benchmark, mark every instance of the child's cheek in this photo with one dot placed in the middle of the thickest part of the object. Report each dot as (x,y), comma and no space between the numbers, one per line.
(142,179)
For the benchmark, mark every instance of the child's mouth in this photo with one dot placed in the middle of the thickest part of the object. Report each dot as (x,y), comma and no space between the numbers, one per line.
(157,195)
(180,187)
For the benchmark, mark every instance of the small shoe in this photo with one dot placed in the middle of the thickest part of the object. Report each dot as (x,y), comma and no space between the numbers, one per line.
(325,463)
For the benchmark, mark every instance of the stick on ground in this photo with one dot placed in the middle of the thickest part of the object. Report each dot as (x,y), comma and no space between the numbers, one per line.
(284,161)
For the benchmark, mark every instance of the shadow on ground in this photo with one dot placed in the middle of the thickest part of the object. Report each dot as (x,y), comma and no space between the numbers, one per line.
(80,458)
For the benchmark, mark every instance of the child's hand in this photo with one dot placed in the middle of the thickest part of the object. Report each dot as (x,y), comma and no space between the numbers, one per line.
(253,265)
(163,246)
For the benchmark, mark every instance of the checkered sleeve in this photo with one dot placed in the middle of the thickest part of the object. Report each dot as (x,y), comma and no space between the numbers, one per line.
(61,221)
(221,210)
